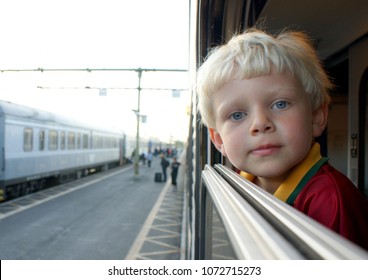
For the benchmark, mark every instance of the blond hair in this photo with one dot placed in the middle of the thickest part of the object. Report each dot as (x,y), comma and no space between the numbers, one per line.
(253,53)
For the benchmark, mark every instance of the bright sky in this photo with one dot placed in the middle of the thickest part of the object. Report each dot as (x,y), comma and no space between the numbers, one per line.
(80,34)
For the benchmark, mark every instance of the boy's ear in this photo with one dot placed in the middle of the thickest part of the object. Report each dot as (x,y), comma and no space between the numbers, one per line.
(320,117)
(217,141)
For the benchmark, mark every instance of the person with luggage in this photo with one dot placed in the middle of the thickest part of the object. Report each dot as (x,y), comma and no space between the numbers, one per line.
(164,164)
(174,171)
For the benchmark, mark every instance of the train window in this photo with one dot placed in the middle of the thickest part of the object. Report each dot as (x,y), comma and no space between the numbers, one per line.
(71,140)
(104,142)
(62,140)
(98,142)
(79,143)
(85,141)
(28,139)
(94,142)
(53,140)
(42,140)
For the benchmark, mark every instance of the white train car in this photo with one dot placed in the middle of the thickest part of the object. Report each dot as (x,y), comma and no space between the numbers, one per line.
(37,147)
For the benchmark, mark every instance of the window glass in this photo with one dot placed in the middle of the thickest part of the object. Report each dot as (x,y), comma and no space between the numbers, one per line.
(53,140)
(42,140)
(94,142)
(71,140)
(85,141)
(99,142)
(62,140)
(103,142)
(28,139)
(79,143)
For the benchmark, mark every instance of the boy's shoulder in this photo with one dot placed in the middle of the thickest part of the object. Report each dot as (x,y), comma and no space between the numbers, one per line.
(328,176)
(333,186)
(334,201)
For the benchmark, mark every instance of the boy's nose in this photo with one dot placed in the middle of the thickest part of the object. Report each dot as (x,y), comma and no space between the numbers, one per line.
(261,123)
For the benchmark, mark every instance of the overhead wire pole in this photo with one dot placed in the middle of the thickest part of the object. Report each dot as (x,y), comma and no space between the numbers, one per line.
(136,155)
(137,112)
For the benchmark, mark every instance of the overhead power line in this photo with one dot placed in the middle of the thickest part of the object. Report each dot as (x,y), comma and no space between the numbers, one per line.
(93,69)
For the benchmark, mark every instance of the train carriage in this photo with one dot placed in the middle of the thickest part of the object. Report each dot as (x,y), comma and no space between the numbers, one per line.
(38,147)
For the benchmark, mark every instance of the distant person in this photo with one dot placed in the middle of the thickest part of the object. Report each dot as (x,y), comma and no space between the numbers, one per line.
(174,170)
(164,164)
(264,99)
(133,156)
(149,159)
(143,158)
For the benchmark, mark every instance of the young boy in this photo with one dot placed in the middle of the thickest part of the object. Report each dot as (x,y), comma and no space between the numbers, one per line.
(264,99)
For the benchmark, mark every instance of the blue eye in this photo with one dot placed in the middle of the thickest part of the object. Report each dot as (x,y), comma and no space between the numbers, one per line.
(280,105)
(237,116)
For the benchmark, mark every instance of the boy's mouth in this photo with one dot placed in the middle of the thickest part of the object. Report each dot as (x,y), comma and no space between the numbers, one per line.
(265,150)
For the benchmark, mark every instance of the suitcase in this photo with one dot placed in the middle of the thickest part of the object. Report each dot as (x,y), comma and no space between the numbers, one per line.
(158,177)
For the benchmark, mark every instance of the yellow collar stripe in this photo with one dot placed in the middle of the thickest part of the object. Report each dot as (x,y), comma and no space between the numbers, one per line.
(296,175)
(294,178)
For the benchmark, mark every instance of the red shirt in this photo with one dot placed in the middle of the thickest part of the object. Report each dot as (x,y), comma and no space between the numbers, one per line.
(331,198)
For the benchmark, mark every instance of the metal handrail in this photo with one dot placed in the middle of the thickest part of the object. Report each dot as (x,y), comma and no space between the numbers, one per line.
(310,238)
(251,236)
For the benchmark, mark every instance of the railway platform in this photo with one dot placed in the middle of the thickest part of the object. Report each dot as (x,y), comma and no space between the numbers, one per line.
(162,235)
(150,231)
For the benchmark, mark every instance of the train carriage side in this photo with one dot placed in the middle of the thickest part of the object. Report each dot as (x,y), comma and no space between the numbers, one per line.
(2,156)
(39,147)
(106,148)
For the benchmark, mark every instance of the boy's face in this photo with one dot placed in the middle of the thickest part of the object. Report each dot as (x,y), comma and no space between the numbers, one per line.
(265,125)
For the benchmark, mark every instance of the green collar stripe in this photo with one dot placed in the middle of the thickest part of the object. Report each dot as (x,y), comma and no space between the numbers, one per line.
(305,179)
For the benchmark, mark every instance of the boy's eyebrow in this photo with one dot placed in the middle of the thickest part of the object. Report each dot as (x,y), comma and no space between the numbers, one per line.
(224,108)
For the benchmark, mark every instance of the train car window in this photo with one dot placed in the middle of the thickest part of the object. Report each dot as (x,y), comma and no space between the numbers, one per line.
(85,141)
(53,140)
(99,142)
(71,140)
(106,143)
(62,140)
(28,139)
(42,140)
(102,142)
(94,142)
(79,142)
